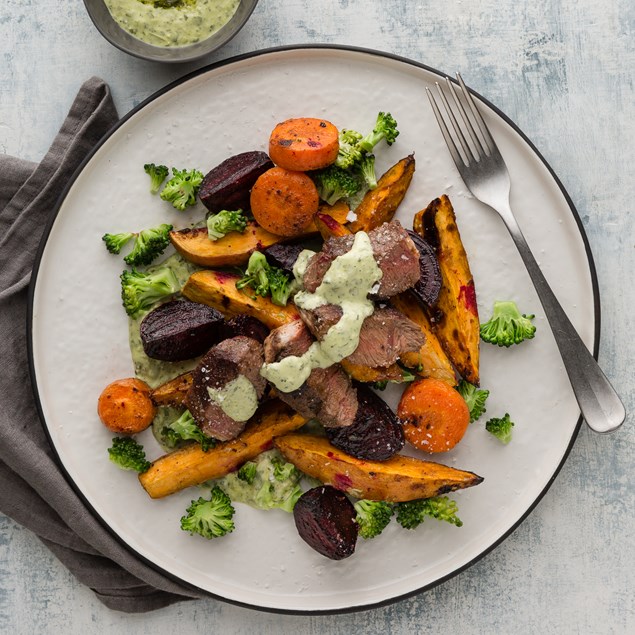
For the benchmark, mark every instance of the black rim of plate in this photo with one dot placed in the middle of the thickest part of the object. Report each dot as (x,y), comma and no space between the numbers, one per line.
(124,119)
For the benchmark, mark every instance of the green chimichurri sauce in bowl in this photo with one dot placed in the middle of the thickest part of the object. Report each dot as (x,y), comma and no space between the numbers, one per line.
(169,30)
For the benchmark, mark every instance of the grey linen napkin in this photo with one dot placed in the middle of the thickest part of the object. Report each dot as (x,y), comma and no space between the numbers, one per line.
(33,490)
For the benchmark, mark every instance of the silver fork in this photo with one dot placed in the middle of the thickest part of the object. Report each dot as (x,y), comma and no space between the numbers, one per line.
(485,174)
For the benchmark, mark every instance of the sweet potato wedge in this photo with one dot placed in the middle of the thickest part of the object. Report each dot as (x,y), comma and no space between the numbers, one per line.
(369,375)
(233,249)
(430,360)
(191,465)
(218,289)
(401,478)
(379,205)
(172,393)
(456,321)
(329,227)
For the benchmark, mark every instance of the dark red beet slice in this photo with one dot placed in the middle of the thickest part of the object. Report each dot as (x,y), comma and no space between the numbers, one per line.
(325,520)
(376,434)
(228,185)
(179,330)
(283,255)
(429,284)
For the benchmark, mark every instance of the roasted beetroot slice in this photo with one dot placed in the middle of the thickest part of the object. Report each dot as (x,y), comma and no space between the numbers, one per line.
(325,520)
(283,255)
(248,326)
(228,185)
(429,284)
(179,330)
(376,434)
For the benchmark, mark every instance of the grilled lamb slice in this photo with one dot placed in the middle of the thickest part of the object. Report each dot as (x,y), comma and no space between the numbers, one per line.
(384,337)
(222,364)
(327,395)
(394,252)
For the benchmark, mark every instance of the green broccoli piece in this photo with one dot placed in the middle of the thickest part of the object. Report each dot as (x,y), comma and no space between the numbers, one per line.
(334,183)
(247,472)
(157,174)
(115,242)
(501,428)
(412,513)
(149,244)
(185,429)
(385,128)
(372,517)
(380,385)
(224,222)
(210,518)
(181,189)
(507,326)
(367,169)
(349,153)
(128,454)
(139,290)
(265,279)
(283,471)
(474,398)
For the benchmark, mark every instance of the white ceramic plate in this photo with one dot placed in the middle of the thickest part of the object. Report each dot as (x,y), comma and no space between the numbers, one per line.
(79,329)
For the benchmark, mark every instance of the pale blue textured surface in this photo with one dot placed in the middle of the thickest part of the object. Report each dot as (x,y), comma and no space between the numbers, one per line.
(564,70)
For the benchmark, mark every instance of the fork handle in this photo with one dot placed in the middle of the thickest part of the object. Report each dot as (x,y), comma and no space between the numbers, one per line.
(599,404)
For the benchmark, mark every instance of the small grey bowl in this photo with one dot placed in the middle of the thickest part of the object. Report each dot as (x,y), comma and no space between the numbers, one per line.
(120,38)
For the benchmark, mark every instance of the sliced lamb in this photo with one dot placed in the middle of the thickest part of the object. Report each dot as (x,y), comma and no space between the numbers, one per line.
(383,338)
(393,250)
(327,395)
(222,364)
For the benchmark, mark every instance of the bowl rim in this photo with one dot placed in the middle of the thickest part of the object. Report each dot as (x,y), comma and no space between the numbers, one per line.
(153,53)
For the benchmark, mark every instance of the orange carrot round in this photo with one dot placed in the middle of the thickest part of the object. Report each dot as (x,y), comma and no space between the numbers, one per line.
(304,144)
(125,406)
(434,415)
(284,202)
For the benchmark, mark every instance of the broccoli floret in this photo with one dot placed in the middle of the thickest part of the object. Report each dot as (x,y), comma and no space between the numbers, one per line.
(181,189)
(185,429)
(157,174)
(139,290)
(247,472)
(149,244)
(128,454)
(501,428)
(283,470)
(115,242)
(474,398)
(372,517)
(265,279)
(334,183)
(367,169)
(385,128)
(224,222)
(412,513)
(380,385)
(349,153)
(507,326)
(210,518)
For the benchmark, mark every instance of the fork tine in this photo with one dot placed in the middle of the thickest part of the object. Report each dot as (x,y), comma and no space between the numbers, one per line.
(444,131)
(465,146)
(480,148)
(477,115)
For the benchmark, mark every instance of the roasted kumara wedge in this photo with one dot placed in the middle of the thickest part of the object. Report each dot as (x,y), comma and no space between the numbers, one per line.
(329,227)
(172,393)
(379,205)
(235,248)
(218,289)
(232,249)
(456,314)
(400,478)
(368,375)
(430,360)
(192,466)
